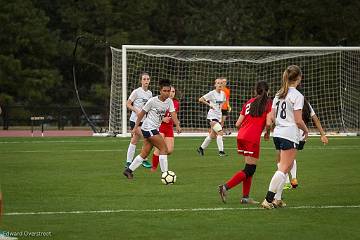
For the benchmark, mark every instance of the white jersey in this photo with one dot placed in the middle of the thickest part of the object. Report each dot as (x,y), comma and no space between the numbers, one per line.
(139,97)
(216,100)
(301,132)
(156,110)
(285,126)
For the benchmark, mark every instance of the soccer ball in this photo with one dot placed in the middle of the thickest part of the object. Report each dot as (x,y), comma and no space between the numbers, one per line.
(168,177)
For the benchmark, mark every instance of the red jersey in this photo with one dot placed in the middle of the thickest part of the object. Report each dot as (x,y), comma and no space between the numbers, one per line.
(170,124)
(252,127)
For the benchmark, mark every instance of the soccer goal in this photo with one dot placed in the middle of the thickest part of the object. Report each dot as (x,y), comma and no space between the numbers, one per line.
(331,80)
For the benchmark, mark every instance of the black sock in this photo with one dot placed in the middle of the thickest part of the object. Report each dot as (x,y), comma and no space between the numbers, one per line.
(270,196)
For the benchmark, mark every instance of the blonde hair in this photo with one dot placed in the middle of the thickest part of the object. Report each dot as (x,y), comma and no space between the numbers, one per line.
(290,75)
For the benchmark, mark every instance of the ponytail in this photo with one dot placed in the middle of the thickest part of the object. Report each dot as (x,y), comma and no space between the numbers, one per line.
(290,75)
(258,107)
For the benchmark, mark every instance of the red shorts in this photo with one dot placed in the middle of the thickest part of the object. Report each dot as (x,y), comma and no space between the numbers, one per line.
(247,148)
(167,131)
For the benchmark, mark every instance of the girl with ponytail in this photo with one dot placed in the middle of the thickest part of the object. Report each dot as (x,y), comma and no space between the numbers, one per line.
(287,112)
(254,117)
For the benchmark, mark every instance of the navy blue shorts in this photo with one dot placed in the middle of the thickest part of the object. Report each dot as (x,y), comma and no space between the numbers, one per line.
(150,133)
(132,125)
(284,144)
(225,112)
(214,120)
(301,145)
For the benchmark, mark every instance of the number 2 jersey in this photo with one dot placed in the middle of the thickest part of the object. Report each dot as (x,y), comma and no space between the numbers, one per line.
(252,127)
(156,110)
(285,126)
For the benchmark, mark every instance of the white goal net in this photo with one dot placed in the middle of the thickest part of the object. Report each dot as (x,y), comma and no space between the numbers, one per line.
(331,80)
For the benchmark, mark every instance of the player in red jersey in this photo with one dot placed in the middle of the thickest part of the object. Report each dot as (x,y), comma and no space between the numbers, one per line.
(254,116)
(166,130)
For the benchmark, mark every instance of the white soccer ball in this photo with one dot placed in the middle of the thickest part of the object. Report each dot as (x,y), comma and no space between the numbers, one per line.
(168,177)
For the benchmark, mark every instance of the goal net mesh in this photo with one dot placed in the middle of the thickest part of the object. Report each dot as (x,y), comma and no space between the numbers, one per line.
(331,82)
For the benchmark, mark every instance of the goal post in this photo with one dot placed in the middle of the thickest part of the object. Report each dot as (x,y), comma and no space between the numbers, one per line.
(331,80)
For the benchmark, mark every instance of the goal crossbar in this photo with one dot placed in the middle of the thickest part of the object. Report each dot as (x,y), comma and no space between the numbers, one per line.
(197,66)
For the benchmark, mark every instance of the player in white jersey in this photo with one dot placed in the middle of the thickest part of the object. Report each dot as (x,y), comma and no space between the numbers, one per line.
(135,103)
(287,113)
(214,99)
(154,110)
(307,114)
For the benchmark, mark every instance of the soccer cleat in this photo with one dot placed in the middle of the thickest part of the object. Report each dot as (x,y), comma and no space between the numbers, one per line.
(127,164)
(278,203)
(128,174)
(200,151)
(287,186)
(248,201)
(294,183)
(146,164)
(222,193)
(266,205)
(222,154)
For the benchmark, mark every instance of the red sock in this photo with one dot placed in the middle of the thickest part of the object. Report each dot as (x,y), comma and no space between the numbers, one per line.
(155,161)
(236,179)
(246,186)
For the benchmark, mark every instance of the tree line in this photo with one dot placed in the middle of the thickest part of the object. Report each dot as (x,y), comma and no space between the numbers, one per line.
(37,37)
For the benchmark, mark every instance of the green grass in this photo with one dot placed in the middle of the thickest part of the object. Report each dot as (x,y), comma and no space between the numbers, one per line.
(85,174)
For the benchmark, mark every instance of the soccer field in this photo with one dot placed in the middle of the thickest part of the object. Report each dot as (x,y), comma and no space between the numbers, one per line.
(73,188)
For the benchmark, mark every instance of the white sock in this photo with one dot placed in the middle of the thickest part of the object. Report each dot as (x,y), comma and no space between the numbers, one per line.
(206,142)
(136,163)
(277,180)
(293,170)
(280,189)
(130,152)
(287,179)
(220,143)
(163,163)
(287,175)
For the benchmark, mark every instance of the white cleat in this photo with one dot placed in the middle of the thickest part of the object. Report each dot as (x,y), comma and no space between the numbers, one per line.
(278,203)
(266,205)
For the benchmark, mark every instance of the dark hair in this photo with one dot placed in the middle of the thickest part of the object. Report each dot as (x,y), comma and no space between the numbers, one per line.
(290,75)
(164,83)
(257,108)
(306,112)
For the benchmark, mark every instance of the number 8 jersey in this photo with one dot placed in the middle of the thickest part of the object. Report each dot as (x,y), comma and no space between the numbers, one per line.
(285,125)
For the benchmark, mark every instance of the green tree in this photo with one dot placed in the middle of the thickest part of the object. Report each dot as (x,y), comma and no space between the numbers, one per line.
(27,50)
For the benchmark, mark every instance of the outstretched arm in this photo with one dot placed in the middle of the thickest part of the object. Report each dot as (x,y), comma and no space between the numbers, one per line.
(176,121)
(317,123)
(268,125)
